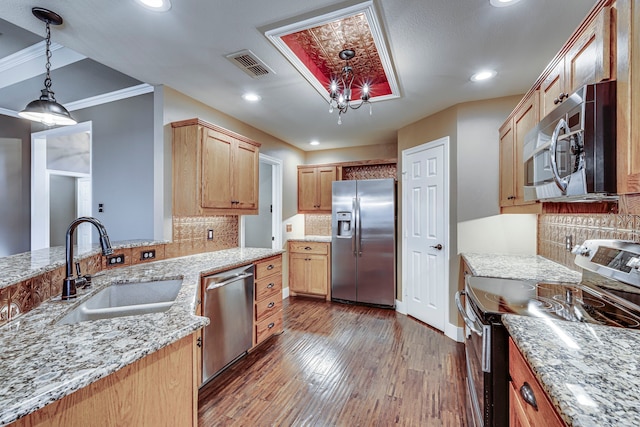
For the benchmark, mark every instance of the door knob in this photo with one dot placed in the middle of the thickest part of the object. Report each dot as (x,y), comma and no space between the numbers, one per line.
(438,247)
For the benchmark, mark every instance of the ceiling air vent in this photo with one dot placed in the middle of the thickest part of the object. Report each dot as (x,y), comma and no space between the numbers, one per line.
(248,62)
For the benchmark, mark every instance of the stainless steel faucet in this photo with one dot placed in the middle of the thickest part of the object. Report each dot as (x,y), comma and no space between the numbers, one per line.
(69,284)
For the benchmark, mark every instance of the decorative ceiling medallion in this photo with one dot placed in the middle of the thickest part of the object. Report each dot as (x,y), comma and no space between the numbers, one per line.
(313,46)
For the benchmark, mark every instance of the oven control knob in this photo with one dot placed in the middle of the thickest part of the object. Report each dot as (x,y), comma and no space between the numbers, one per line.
(580,250)
(634,263)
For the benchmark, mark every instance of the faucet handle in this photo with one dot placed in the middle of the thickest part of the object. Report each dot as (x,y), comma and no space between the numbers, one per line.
(82,281)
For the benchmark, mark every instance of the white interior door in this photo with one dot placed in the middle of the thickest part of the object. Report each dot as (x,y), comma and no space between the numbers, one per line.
(425,232)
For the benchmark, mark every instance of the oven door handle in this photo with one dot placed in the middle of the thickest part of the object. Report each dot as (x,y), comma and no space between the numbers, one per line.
(467,320)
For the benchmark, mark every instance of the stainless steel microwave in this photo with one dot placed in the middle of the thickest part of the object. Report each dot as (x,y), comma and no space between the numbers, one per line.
(571,153)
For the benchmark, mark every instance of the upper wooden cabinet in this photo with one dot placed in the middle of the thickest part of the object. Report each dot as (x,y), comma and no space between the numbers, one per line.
(628,105)
(512,135)
(215,171)
(587,59)
(314,188)
(507,163)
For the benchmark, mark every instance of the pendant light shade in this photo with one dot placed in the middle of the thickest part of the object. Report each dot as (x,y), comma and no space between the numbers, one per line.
(46,109)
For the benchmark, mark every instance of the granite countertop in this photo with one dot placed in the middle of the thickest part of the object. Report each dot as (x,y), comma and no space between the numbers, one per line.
(590,372)
(320,239)
(19,267)
(41,362)
(524,267)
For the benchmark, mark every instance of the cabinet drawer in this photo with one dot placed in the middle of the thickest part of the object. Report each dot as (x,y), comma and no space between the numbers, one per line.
(520,374)
(269,326)
(267,307)
(309,247)
(268,267)
(268,286)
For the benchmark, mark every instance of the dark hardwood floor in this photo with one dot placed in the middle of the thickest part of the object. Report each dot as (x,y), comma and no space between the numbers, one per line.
(342,365)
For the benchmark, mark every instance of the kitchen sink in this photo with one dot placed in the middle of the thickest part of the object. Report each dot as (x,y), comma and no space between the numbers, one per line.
(126,299)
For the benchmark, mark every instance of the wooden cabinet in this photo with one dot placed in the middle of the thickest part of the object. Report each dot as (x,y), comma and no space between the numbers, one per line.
(507,163)
(587,59)
(628,106)
(157,390)
(314,188)
(512,135)
(524,390)
(310,268)
(267,310)
(215,171)
(552,89)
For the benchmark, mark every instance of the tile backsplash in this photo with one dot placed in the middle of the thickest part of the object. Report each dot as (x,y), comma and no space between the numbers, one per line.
(553,229)
(190,234)
(317,224)
(370,172)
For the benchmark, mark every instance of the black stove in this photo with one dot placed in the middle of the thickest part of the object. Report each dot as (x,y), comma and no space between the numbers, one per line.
(608,294)
(563,301)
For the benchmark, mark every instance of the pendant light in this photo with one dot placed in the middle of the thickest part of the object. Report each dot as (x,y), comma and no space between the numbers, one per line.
(46,109)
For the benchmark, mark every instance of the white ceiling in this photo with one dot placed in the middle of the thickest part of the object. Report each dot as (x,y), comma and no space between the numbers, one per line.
(435,46)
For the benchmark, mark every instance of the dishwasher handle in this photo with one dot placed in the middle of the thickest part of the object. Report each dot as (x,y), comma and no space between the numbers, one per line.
(230,280)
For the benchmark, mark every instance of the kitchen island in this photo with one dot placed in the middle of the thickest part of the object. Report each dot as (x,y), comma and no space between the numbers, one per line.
(42,362)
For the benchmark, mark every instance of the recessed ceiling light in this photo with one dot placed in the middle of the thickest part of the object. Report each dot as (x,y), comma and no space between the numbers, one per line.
(157,5)
(503,3)
(483,75)
(251,97)
(314,143)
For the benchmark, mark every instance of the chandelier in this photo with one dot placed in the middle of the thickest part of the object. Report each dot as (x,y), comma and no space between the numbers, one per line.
(340,88)
(46,109)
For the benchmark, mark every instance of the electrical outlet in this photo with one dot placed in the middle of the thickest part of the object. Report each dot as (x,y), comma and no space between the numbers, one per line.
(148,255)
(209,234)
(568,242)
(289,228)
(113,260)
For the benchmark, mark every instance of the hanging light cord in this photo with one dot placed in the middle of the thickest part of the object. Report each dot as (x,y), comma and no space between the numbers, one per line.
(47,80)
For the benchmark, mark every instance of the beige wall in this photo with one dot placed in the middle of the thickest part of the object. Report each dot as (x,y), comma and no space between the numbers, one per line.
(352,154)
(178,106)
(472,129)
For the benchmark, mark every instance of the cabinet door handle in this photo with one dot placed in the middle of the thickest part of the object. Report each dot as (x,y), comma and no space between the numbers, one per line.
(527,394)
(271,304)
(307,248)
(270,267)
(270,285)
(199,342)
(271,325)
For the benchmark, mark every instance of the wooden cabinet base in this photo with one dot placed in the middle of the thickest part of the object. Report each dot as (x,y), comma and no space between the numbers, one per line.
(154,391)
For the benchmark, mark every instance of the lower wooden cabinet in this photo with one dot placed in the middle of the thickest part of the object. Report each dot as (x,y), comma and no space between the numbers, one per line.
(525,392)
(267,307)
(157,390)
(310,268)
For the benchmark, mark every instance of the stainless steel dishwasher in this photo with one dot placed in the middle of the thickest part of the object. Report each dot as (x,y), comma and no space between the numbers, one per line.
(228,303)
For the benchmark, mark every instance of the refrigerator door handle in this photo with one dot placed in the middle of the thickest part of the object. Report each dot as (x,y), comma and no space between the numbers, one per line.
(354,229)
(359,226)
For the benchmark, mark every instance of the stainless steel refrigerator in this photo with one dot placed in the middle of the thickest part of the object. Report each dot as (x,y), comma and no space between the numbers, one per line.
(363,247)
